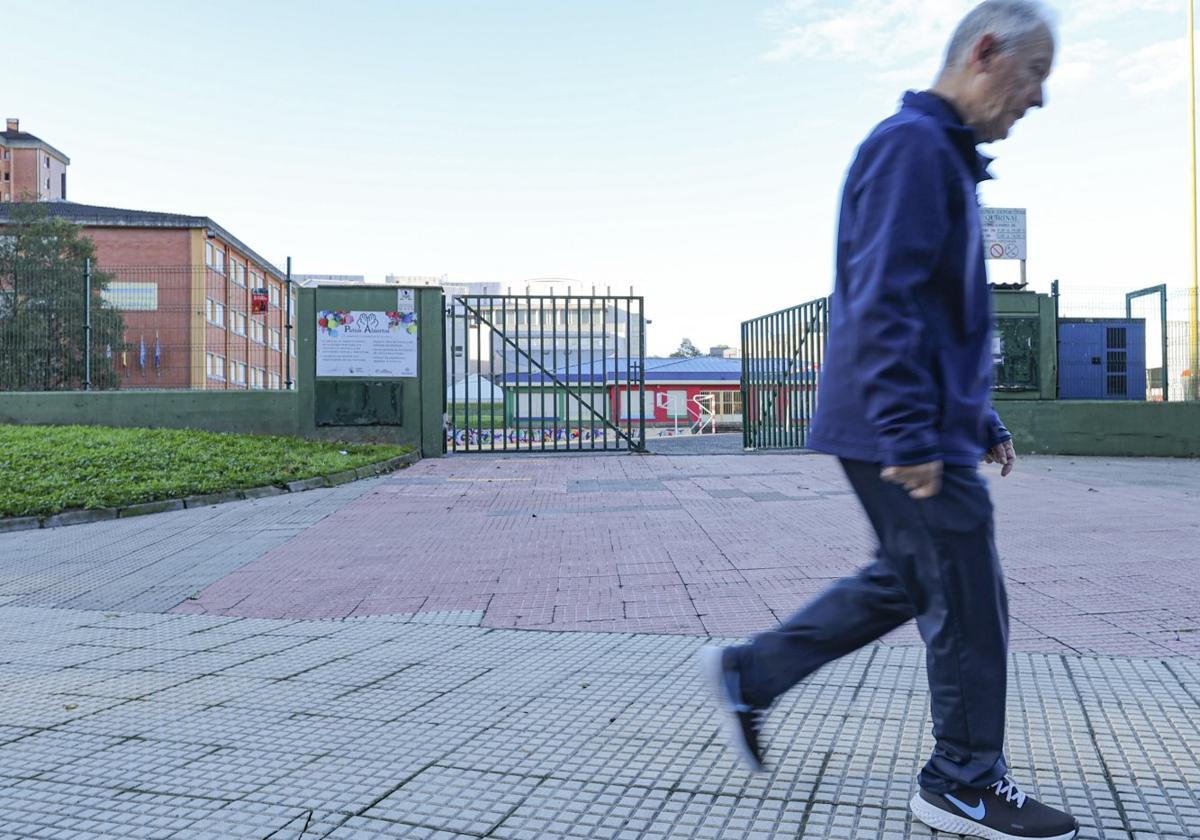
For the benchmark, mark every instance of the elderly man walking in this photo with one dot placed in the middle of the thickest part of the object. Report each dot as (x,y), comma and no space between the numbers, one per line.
(904,404)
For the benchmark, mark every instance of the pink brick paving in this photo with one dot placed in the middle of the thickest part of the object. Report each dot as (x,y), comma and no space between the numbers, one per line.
(1100,556)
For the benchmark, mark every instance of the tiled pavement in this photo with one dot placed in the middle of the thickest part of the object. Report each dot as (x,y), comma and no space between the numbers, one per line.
(357,674)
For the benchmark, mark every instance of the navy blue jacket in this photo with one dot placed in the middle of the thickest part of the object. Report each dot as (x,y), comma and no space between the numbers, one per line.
(908,372)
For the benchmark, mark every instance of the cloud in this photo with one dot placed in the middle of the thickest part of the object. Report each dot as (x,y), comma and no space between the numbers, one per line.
(1081,61)
(903,40)
(1106,11)
(890,34)
(1158,67)
(883,33)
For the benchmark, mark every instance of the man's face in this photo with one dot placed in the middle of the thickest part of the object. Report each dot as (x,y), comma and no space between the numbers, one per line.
(1009,83)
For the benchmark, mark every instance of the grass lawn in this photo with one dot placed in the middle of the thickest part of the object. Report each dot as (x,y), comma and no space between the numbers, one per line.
(47,469)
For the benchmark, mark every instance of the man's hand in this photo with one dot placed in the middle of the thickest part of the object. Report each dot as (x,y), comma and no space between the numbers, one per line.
(1004,455)
(922,481)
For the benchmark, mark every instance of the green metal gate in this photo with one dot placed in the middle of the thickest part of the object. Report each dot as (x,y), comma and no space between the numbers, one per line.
(782,355)
(545,373)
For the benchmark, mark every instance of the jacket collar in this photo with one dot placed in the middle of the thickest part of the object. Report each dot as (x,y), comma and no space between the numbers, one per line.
(961,135)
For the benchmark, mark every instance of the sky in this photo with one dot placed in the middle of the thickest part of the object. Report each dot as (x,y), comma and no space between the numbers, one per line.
(691,151)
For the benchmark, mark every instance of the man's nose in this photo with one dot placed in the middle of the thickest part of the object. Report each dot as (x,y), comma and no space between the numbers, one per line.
(1038,99)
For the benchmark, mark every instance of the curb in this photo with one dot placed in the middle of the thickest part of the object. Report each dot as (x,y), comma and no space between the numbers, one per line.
(78,517)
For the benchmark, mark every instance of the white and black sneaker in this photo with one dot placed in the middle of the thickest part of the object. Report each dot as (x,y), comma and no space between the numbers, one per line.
(998,812)
(743,723)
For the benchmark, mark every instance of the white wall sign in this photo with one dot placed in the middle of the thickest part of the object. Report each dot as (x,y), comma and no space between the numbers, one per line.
(1003,232)
(364,343)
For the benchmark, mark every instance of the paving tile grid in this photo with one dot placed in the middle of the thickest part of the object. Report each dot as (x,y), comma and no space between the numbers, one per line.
(179,682)
(403,729)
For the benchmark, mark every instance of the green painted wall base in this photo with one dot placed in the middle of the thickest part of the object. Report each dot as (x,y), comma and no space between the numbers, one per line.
(414,415)
(1084,427)
(243,412)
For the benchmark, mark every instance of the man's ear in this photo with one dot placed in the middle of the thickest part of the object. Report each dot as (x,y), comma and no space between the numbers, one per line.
(986,49)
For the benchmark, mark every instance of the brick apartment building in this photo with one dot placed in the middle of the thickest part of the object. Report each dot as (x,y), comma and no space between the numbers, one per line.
(30,168)
(184,287)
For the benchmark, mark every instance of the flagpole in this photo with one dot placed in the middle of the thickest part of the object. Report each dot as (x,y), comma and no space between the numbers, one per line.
(1193,332)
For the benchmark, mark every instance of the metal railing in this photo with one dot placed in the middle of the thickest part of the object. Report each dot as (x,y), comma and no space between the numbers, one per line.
(545,373)
(782,355)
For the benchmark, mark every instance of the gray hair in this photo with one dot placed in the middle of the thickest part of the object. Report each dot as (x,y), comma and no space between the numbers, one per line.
(1011,22)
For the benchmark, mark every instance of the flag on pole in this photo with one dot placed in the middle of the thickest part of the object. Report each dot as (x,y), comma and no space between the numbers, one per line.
(157,351)
(142,353)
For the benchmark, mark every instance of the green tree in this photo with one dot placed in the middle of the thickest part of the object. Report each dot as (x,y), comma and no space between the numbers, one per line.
(686,350)
(42,306)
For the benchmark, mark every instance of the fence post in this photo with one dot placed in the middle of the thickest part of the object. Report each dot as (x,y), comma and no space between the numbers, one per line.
(287,328)
(87,324)
(1058,375)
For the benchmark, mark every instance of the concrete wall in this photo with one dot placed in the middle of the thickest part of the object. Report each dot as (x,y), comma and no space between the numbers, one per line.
(245,412)
(1084,427)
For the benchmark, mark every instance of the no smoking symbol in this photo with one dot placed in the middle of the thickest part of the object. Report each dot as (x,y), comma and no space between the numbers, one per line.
(997,250)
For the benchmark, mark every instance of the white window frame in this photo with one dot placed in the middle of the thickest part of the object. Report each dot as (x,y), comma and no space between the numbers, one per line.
(216,313)
(276,382)
(216,369)
(274,336)
(237,322)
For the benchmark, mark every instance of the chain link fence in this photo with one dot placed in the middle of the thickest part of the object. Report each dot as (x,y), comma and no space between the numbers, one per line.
(1170,346)
(95,327)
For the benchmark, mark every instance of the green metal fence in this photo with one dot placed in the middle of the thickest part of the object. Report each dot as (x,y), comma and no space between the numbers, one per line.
(782,355)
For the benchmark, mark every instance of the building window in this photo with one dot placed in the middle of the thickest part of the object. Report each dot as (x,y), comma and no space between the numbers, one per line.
(274,293)
(237,372)
(5,176)
(216,366)
(46,164)
(274,339)
(636,404)
(292,346)
(274,381)
(208,253)
(216,313)
(132,296)
(256,330)
(215,258)
(47,183)
(238,272)
(723,402)
(237,322)
(677,403)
